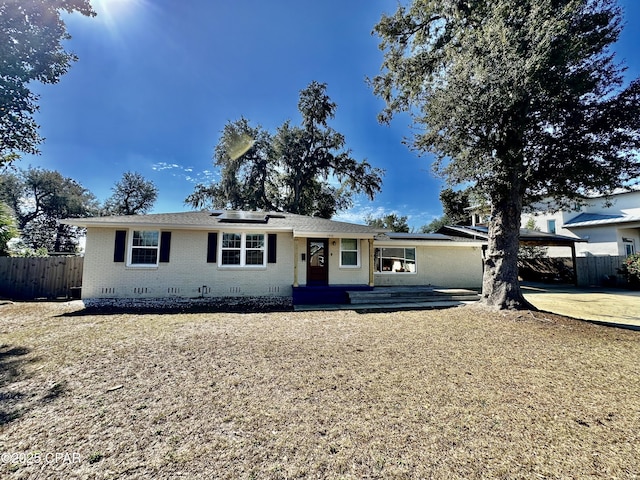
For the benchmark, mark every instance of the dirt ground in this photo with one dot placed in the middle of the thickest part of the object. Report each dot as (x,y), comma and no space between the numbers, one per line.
(603,305)
(457,393)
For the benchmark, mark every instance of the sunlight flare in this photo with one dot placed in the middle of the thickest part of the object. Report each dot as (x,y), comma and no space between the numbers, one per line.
(115,13)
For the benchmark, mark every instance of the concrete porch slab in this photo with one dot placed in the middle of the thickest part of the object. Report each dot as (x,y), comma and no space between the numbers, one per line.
(381,307)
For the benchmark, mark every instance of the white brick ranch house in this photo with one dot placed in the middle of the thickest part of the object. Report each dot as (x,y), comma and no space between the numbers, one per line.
(260,254)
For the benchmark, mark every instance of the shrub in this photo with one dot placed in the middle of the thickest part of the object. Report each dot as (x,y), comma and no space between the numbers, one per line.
(631,267)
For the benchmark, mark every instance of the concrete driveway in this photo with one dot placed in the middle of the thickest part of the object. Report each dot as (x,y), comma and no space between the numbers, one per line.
(603,305)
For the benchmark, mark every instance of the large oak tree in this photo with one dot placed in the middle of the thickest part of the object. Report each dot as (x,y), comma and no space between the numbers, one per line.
(304,169)
(520,99)
(39,198)
(32,50)
(132,195)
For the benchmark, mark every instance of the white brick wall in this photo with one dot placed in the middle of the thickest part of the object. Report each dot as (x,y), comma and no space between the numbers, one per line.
(189,275)
(446,266)
(348,275)
(185,275)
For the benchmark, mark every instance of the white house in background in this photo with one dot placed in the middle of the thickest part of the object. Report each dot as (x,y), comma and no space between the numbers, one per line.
(610,226)
(258,254)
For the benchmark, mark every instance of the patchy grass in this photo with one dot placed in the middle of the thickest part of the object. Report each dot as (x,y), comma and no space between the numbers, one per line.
(458,393)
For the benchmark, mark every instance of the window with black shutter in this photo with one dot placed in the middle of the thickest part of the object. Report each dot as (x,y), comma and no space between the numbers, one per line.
(212,247)
(120,246)
(272,242)
(165,246)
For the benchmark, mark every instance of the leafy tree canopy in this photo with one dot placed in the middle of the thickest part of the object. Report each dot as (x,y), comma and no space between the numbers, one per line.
(302,169)
(456,206)
(31,35)
(522,100)
(132,195)
(391,222)
(436,224)
(39,198)
(245,180)
(8,228)
(530,251)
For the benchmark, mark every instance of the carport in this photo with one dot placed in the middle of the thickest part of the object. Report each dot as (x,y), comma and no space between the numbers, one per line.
(528,238)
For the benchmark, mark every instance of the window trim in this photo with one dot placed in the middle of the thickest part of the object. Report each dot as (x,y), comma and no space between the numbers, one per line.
(357,250)
(626,243)
(392,272)
(243,250)
(131,246)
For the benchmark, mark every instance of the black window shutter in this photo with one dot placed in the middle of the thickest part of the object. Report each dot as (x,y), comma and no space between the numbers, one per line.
(120,246)
(165,246)
(212,247)
(271,247)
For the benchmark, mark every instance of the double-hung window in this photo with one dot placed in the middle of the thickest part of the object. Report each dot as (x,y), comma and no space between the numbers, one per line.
(349,253)
(145,245)
(242,250)
(231,249)
(254,249)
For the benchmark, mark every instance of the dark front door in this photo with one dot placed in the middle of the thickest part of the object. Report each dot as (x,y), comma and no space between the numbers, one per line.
(318,262)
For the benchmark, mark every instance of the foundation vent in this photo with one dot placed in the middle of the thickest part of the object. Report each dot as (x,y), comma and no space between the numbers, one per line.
(274,289)
(140,290)
(234,289)
(173,290)
(108,290)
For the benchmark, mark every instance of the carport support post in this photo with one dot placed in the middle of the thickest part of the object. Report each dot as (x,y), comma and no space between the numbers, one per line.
(574,263)
(371,260)
(295,262)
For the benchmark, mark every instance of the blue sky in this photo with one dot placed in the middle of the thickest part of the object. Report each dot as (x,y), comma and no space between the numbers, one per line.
(157,80)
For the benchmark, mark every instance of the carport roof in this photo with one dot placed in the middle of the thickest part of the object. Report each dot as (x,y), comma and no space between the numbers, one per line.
(527,237)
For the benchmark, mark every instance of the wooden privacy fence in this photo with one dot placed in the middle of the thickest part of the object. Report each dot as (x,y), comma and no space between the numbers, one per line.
(46,277)
(600,271)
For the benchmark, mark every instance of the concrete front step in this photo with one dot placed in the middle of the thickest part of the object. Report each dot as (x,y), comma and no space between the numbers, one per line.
(382,307)
(392,295)
(390,300)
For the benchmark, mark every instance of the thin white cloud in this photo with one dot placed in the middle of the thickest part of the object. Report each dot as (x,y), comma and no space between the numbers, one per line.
(176,170)
(205,177)
(160,166)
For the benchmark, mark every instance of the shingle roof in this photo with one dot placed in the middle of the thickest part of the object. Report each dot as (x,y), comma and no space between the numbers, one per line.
(418,236)
(300,225)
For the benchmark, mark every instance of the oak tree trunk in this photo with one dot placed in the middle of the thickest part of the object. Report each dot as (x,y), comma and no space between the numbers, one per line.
(500,285)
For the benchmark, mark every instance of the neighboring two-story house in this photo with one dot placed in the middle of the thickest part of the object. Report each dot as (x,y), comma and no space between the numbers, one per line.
(610,226)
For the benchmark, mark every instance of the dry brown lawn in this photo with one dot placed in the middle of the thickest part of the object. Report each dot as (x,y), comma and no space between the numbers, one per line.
(458,393)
